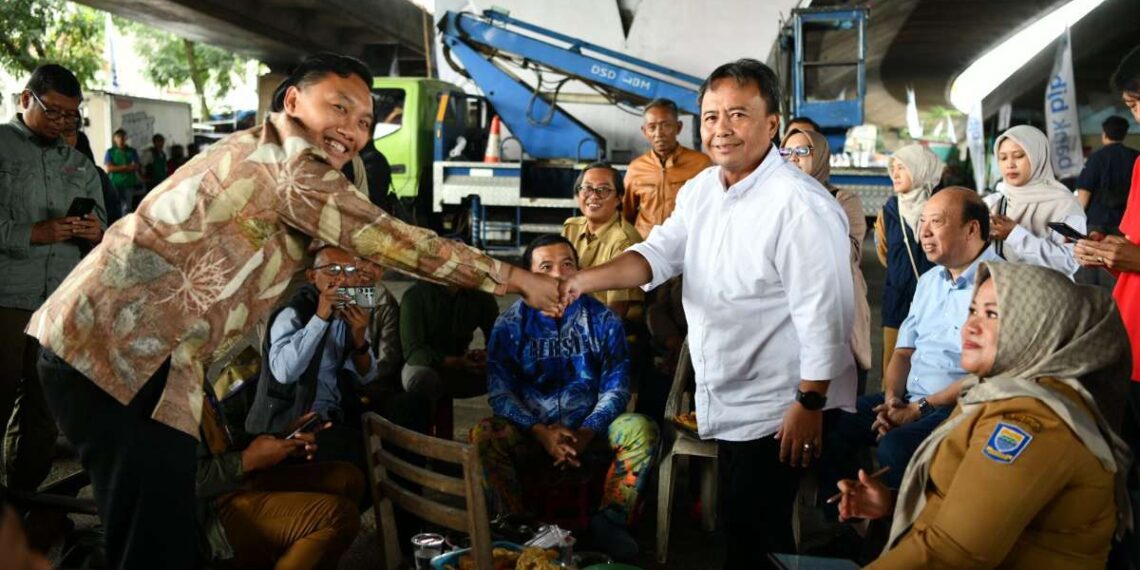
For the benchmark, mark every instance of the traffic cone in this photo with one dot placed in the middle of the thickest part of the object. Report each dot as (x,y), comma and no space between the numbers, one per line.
(493,141)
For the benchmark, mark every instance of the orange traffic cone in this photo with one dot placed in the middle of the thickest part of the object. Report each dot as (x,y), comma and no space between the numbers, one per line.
(493,141)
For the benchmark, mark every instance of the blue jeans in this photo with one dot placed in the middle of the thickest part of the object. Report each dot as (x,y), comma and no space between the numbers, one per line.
(851,433)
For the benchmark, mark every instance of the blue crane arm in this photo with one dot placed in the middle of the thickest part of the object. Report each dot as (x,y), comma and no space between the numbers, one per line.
(545,130)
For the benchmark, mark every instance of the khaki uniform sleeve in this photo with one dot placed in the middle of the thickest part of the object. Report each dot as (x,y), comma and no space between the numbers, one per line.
(881,239)
(320,202)
(990,502)
(634,295)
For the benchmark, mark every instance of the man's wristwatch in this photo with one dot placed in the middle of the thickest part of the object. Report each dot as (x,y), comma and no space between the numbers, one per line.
(362,349)
(924,407)
(813,401)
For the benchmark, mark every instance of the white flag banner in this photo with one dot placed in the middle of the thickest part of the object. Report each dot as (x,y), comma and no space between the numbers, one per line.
(1004,114)
(976,142)
(950,131)
(913,124)
(1064,127)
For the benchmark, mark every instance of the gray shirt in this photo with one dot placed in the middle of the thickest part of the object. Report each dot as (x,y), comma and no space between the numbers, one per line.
(38,181)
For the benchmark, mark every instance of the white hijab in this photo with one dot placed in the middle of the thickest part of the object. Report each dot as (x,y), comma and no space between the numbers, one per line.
(925,172)
(1042,199)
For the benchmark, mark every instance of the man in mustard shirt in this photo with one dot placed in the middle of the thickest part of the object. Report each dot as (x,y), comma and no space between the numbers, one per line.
(654,178)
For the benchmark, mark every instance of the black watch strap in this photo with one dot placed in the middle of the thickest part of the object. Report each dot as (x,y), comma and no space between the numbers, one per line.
(813,401)
(924,407)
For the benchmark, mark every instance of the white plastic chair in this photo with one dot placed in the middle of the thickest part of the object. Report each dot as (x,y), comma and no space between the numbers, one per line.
(680,443)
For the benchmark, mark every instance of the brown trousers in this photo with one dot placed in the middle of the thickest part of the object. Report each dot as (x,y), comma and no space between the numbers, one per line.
(295,517)
(29,440)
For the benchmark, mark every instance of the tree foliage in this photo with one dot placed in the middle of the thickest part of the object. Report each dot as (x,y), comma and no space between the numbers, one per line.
(50,31)
(173,61)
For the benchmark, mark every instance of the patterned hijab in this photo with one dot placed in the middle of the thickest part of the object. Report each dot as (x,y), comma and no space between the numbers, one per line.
(820,156)
(1042,199)
(925,173)
(1050,328)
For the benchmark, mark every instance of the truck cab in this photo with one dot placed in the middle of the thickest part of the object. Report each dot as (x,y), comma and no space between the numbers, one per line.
(421,120)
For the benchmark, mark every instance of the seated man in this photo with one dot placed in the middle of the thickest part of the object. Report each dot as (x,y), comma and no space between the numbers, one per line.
(601,233)
(554,386)
(437,325)
(317,356)
(921,383)
(257,512)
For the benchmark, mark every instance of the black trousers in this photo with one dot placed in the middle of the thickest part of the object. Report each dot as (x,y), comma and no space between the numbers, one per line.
(29,440)
(757,498)
(143,471)
(1126,554)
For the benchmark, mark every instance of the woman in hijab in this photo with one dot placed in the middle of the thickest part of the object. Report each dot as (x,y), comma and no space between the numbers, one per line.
(1029,198)
(915,171)
(1028,471)
(809,151)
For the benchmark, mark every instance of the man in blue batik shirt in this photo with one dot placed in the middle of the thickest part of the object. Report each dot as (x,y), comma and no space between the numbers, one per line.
(555,385)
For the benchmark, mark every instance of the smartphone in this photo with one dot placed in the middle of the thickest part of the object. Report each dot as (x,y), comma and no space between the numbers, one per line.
(306,427)
(81,207)
(1066,230)
(365,297)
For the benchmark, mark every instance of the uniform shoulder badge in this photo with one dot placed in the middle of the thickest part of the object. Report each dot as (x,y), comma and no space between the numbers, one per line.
(1006,443)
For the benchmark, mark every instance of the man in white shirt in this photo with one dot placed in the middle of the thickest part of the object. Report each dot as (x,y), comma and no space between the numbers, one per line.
(768,295)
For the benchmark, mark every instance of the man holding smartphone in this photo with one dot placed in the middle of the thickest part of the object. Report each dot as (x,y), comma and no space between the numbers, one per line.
(41,240)
(317,356)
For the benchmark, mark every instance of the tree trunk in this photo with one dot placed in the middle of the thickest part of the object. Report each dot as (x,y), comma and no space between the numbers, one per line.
(197,76)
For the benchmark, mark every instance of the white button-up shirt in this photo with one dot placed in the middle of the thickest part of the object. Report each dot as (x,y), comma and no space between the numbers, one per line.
(767,293)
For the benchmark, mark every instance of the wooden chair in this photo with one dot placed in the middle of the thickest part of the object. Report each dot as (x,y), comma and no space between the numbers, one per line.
(382,437)
(678,442)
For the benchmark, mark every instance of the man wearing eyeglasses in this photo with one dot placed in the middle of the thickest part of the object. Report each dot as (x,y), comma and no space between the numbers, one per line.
(601,234)
(40,177)
(654,178)
(318,354)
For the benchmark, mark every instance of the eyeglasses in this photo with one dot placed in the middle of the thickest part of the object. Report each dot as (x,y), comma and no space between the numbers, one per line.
(336,270)
(55,114)
(800,151)
(599,191)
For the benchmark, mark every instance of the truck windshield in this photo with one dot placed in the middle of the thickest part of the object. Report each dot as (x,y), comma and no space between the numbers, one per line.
(389,105)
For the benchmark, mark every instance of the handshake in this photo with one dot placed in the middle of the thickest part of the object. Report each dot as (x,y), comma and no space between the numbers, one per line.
(543,292)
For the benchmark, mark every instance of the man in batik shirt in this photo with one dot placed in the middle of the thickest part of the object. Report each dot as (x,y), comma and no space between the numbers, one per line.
(207,254)
(555,387)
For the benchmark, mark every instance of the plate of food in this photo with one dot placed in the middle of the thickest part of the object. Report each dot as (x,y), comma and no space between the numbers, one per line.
(504,556)
(686,421)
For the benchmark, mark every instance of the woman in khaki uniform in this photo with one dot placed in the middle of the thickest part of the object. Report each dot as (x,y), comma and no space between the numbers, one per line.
(1027,472)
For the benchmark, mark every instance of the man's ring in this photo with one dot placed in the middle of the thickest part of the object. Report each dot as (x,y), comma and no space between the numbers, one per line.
(807,446)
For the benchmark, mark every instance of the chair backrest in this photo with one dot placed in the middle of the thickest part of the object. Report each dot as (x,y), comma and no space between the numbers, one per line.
(681,379)
(383,438)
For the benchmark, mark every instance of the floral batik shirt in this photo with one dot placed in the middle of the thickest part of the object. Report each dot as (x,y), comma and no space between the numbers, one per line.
(209,252)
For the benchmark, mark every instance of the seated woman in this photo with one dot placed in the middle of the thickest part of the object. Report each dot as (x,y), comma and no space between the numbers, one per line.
(1028,200)
(1028,471)
(558,388)
(809,151)
(601,233)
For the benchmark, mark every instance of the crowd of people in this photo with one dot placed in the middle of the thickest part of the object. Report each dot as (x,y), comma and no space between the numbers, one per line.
(996,364)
